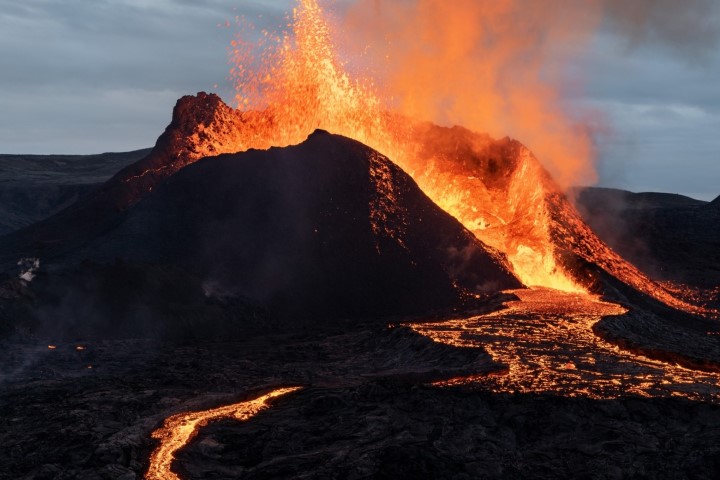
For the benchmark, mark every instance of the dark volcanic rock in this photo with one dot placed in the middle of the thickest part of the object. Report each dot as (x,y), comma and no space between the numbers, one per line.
(669,237)
(329,228)
(679,338)
(118,300)
(325,229)
(62,420)
(376,431)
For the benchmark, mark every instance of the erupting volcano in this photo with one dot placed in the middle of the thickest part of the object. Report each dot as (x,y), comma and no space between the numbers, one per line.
(324,236)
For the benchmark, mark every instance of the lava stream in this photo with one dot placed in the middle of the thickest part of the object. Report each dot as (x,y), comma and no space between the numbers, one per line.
(547,341)
(178,430)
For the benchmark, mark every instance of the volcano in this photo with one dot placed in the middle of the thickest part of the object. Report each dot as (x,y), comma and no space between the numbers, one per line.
(324,272)
(326,229)
(333,228)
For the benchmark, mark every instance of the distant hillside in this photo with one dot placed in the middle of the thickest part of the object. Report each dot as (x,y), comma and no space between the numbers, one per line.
(668,236)
(34,187)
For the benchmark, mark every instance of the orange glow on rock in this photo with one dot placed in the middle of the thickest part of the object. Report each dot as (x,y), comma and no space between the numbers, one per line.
(300,85)
(291,84)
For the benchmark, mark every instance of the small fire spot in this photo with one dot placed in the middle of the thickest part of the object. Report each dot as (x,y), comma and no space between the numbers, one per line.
(52,347)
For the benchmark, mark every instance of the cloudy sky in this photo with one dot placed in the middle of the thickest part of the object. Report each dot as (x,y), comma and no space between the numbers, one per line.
(90,76)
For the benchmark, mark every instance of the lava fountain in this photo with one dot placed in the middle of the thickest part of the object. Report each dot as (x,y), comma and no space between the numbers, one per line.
(290,85)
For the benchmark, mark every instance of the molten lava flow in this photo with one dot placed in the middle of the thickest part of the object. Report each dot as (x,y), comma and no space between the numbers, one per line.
(302,86)
(290,85)
(179,429)
(547,341)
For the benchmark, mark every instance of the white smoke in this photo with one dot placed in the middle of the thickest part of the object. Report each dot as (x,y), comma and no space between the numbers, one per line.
(28,267)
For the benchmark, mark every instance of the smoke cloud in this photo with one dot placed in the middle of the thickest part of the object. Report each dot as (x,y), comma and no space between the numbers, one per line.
(688,27)
(501,66)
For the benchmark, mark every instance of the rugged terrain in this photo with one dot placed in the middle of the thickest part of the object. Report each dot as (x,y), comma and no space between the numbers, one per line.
(366,411)
(326,229)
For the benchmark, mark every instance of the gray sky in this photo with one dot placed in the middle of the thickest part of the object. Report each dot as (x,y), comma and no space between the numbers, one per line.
(90,76)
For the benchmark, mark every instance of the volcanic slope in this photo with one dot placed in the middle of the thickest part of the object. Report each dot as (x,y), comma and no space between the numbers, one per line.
(671,237)
(495,188)
(326,228)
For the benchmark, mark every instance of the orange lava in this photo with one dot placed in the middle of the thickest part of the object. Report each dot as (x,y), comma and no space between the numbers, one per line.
(301,85)
(179,429)
(288,85)
(547,341)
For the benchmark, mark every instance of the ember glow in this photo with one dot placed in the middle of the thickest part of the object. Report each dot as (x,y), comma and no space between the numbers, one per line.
(290,85)
(178,430)
(547,341)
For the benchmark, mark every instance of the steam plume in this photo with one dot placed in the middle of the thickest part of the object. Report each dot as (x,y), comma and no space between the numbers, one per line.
(499,66)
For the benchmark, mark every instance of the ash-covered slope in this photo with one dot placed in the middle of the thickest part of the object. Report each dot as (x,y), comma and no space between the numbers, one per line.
(670,237)
(328,227)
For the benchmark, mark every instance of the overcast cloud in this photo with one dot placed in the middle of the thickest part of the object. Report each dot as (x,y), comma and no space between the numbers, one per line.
(89,76)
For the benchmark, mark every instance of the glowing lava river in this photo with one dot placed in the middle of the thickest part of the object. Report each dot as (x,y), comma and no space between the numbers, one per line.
(546,339)
(179,429)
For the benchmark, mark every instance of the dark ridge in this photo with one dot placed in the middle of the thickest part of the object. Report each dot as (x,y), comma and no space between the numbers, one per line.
(35,187)
(669,237)
(715,203)
(612,199)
